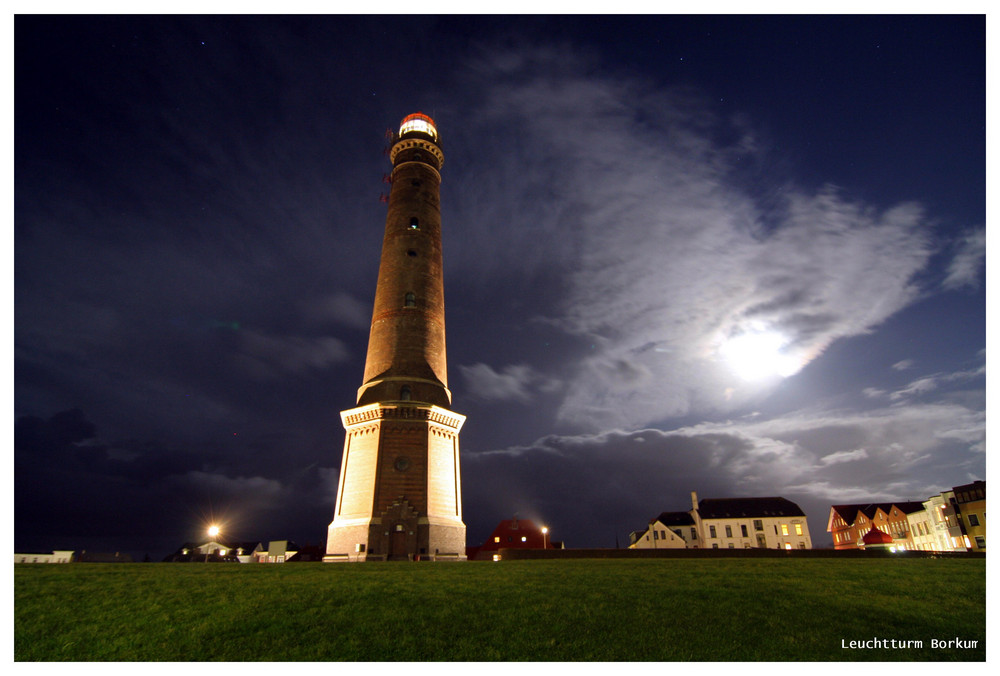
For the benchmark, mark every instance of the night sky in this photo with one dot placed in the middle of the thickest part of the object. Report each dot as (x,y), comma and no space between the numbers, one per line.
(732,255)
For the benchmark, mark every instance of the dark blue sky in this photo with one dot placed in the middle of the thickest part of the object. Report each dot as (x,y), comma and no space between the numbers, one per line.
(737,255)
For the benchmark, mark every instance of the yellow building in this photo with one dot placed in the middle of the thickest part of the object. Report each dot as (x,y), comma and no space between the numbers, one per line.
(970,508)
(747,523)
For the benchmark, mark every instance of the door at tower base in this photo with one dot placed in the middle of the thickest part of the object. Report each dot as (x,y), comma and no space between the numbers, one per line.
(399,496)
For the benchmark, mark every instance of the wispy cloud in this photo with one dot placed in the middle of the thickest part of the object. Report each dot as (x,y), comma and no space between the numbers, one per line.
(667,255)
(515,382)
(968,262)
(266,356)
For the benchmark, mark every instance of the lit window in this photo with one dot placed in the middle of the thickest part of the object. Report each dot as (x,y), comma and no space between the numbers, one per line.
(788,545)
(784,529)
(496,539)
(524,539)
(798,529)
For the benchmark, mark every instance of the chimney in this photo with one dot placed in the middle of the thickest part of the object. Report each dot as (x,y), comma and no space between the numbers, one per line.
(694,500)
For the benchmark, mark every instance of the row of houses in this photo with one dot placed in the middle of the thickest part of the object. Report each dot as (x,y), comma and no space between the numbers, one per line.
(728,523)
(951,521)
(278,551)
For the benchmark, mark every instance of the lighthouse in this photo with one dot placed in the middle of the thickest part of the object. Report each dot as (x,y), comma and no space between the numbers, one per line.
(400,493)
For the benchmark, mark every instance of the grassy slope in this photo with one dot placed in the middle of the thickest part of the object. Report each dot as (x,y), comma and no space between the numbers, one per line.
(614,610)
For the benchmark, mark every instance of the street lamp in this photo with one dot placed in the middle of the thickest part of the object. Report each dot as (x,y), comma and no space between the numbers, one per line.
(544,531)
(213,532)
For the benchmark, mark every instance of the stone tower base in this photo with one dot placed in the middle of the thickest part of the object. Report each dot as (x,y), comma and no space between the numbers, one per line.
(398,534)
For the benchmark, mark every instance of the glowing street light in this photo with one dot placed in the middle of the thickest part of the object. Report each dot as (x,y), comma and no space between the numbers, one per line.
(213,531)
(545,530)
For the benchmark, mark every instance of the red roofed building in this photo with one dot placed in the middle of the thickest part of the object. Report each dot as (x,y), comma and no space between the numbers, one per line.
(876,539)
(513,534)
(849,524)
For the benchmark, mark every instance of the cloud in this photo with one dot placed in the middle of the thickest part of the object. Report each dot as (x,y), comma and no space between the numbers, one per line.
(513,383)
(222,485)
(339,308)
(266,357)
(932,382)
(665,253)
(969,259)
(903,365)
(844,456)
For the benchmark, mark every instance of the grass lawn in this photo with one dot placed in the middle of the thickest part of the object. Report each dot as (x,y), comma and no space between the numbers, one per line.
(549,610)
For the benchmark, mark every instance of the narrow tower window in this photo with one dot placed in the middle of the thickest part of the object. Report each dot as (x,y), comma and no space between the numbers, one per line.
(414,223)
(410,300)
(404,393)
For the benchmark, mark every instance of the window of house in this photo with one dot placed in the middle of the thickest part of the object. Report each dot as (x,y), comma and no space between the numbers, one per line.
(715,545)
(743,529)
(798,529)
(973,520)
(732,546)
(496,539)
(784,529)
(729,531)
(981,542)
(405,393)
(711,531)
(758,524)
(656,535)
(524,538)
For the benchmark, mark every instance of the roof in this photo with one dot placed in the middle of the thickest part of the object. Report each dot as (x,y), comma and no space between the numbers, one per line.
(674,519)
(729,508)
(849,513)
(877,537)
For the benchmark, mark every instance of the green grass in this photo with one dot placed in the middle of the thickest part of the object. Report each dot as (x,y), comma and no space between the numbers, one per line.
(550,610)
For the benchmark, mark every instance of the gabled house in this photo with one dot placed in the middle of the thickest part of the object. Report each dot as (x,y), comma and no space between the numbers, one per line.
(849,524)
(670,530)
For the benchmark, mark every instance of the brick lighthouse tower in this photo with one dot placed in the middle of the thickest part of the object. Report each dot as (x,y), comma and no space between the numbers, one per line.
(400,491)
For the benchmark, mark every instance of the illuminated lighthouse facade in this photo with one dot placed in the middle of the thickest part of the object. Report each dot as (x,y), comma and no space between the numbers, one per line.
(400,493)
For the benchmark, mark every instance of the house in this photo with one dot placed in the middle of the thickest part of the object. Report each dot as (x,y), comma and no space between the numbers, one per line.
(946,532)
(56,556)
(748,523)
(728,523)
(669,530)
(215,551)
(278,551)
(953,520)
(970,508)
(512,534)
(849,524)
